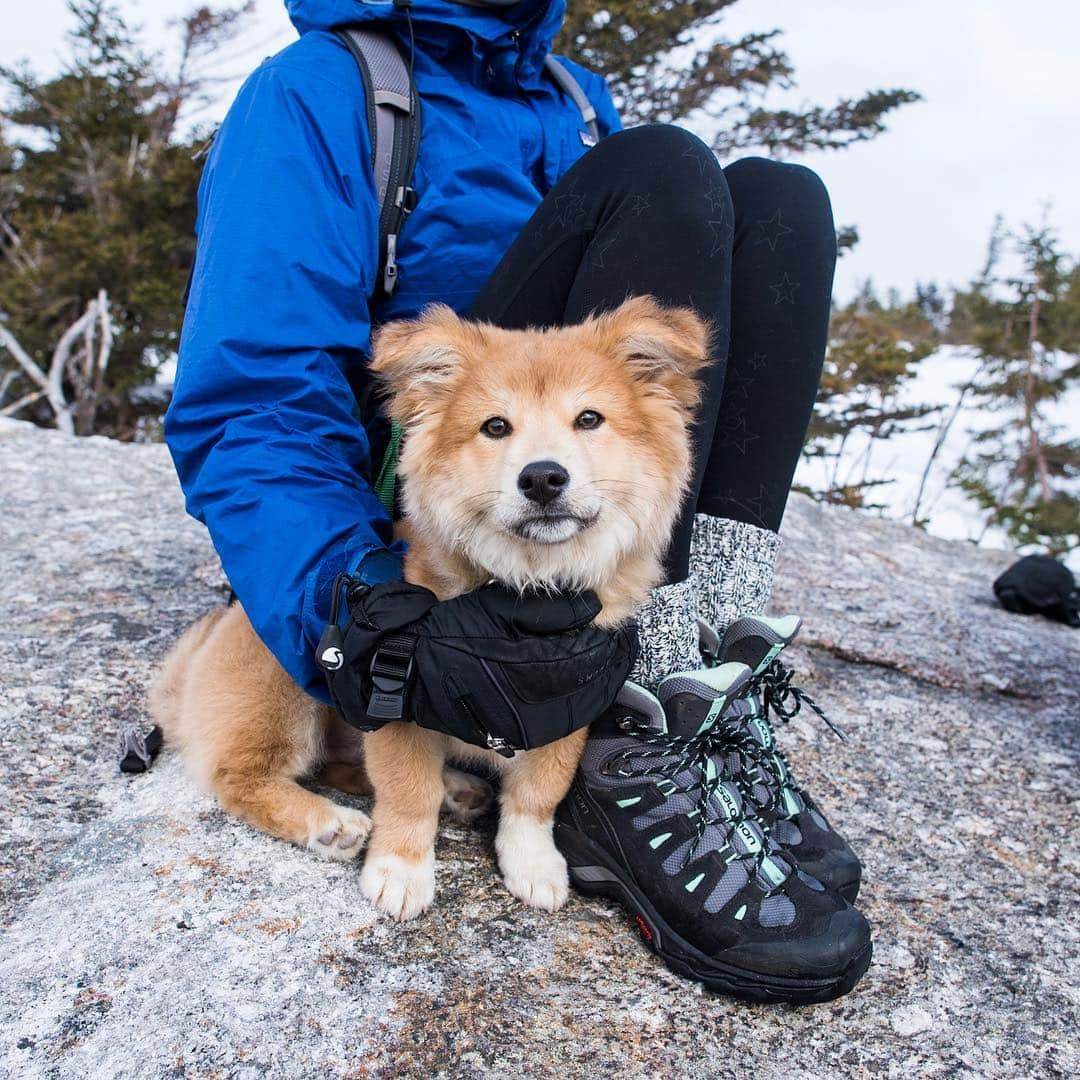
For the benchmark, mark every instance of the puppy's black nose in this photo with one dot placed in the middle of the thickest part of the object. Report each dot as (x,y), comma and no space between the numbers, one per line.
(543,482)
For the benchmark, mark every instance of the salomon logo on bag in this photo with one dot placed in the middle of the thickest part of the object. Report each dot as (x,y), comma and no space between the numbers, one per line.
(332,659)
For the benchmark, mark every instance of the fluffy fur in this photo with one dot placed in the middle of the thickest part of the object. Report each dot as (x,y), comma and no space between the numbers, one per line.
(248,733)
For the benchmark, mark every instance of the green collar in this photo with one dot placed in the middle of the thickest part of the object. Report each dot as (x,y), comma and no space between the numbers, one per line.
(386,481)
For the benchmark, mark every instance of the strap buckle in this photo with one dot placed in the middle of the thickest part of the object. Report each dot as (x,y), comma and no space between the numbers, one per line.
(391,669)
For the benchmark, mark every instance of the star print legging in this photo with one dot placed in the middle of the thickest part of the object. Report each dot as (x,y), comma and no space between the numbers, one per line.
(751,247)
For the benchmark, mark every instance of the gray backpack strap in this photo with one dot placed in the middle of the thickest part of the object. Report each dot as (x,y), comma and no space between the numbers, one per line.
(393,114)
(570,86)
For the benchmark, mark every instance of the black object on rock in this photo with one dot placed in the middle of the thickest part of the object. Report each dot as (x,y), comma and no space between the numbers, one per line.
(1039,585)
(137,751)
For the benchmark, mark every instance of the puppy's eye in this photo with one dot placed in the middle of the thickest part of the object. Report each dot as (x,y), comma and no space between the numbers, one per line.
(496,428)
(588,420)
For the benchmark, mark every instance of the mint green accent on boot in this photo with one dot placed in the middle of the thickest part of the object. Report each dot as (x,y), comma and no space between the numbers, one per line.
(773,872)
(656,841)
(692,885)
(719,678)
(792,806)
(764,733)
(748,834)
(740,913)
(713,714)
(770,656)
(624,803)
(780,769)
(727,801)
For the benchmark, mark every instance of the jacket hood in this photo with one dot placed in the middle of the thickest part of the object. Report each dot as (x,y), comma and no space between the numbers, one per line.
(536,21)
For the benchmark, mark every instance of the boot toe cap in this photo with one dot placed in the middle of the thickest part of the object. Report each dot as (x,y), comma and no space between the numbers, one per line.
(826,955)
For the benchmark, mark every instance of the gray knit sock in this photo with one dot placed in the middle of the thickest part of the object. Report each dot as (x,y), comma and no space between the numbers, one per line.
(733,563)
(667,633)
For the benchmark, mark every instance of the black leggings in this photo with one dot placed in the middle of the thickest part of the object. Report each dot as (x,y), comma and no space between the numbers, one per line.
(751,247)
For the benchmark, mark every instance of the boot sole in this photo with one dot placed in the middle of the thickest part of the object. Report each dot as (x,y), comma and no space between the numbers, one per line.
(593,874)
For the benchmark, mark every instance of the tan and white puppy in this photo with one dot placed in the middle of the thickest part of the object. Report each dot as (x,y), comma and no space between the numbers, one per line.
(553,457)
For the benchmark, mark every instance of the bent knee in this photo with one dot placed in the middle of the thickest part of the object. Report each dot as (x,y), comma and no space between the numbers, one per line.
(653,140)
(665,156)
(779,182)
(675,169)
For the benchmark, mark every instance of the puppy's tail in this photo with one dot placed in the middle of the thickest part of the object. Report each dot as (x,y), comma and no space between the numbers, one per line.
(165,698)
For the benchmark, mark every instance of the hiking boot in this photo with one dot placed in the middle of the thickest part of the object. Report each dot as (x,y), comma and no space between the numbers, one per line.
(656,820)
(793,818)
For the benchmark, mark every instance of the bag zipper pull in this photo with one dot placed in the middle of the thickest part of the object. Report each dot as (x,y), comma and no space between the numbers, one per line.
(499,745)
(390,270)
(330,653)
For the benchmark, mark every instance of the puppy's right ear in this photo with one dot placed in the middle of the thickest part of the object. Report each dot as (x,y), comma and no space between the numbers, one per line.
(417,360)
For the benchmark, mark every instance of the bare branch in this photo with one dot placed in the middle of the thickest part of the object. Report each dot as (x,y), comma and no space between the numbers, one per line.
(16,250)
(71,370)
(86,372)
(6,381)
(96,366)
(22,357)
(133,155)
(9,231)
(88,355)
(21,403)
(944,428)
(105,347)
(54,389)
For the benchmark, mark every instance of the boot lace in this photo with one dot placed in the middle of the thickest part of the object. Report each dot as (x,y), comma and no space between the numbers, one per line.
(666,756)
(785,700)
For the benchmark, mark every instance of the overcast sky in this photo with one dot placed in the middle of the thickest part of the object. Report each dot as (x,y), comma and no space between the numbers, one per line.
(999,130)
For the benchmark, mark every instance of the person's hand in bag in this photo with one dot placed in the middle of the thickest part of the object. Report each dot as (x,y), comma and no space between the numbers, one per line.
(494,667)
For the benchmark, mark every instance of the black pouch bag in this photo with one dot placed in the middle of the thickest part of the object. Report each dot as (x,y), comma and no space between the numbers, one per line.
(495,668)
(1039,585)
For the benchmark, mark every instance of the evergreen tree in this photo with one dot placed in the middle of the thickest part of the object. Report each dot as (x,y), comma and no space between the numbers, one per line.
(98,192)
(669,59)
(874,353)
(97,185)
(1025,471)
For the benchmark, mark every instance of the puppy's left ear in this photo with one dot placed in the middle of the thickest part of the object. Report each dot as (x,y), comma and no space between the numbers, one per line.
(664,347)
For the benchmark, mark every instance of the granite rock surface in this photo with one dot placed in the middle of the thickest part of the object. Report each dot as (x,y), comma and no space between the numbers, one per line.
(146,934)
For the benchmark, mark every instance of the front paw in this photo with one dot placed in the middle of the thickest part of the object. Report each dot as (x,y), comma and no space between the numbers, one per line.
(399,888)
(342,836)
(532,868)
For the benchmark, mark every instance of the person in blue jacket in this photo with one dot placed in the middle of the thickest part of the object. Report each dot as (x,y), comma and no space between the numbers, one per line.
(520,221)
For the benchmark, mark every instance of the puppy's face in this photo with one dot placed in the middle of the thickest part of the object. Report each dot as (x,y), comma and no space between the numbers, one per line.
(544,456)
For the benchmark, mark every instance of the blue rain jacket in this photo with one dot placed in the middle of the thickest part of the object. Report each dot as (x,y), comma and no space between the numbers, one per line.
(263,427)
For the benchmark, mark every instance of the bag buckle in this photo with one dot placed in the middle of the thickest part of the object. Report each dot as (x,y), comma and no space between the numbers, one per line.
(391,669)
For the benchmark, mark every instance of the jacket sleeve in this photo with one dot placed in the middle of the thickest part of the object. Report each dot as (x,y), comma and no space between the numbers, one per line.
(262,426)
